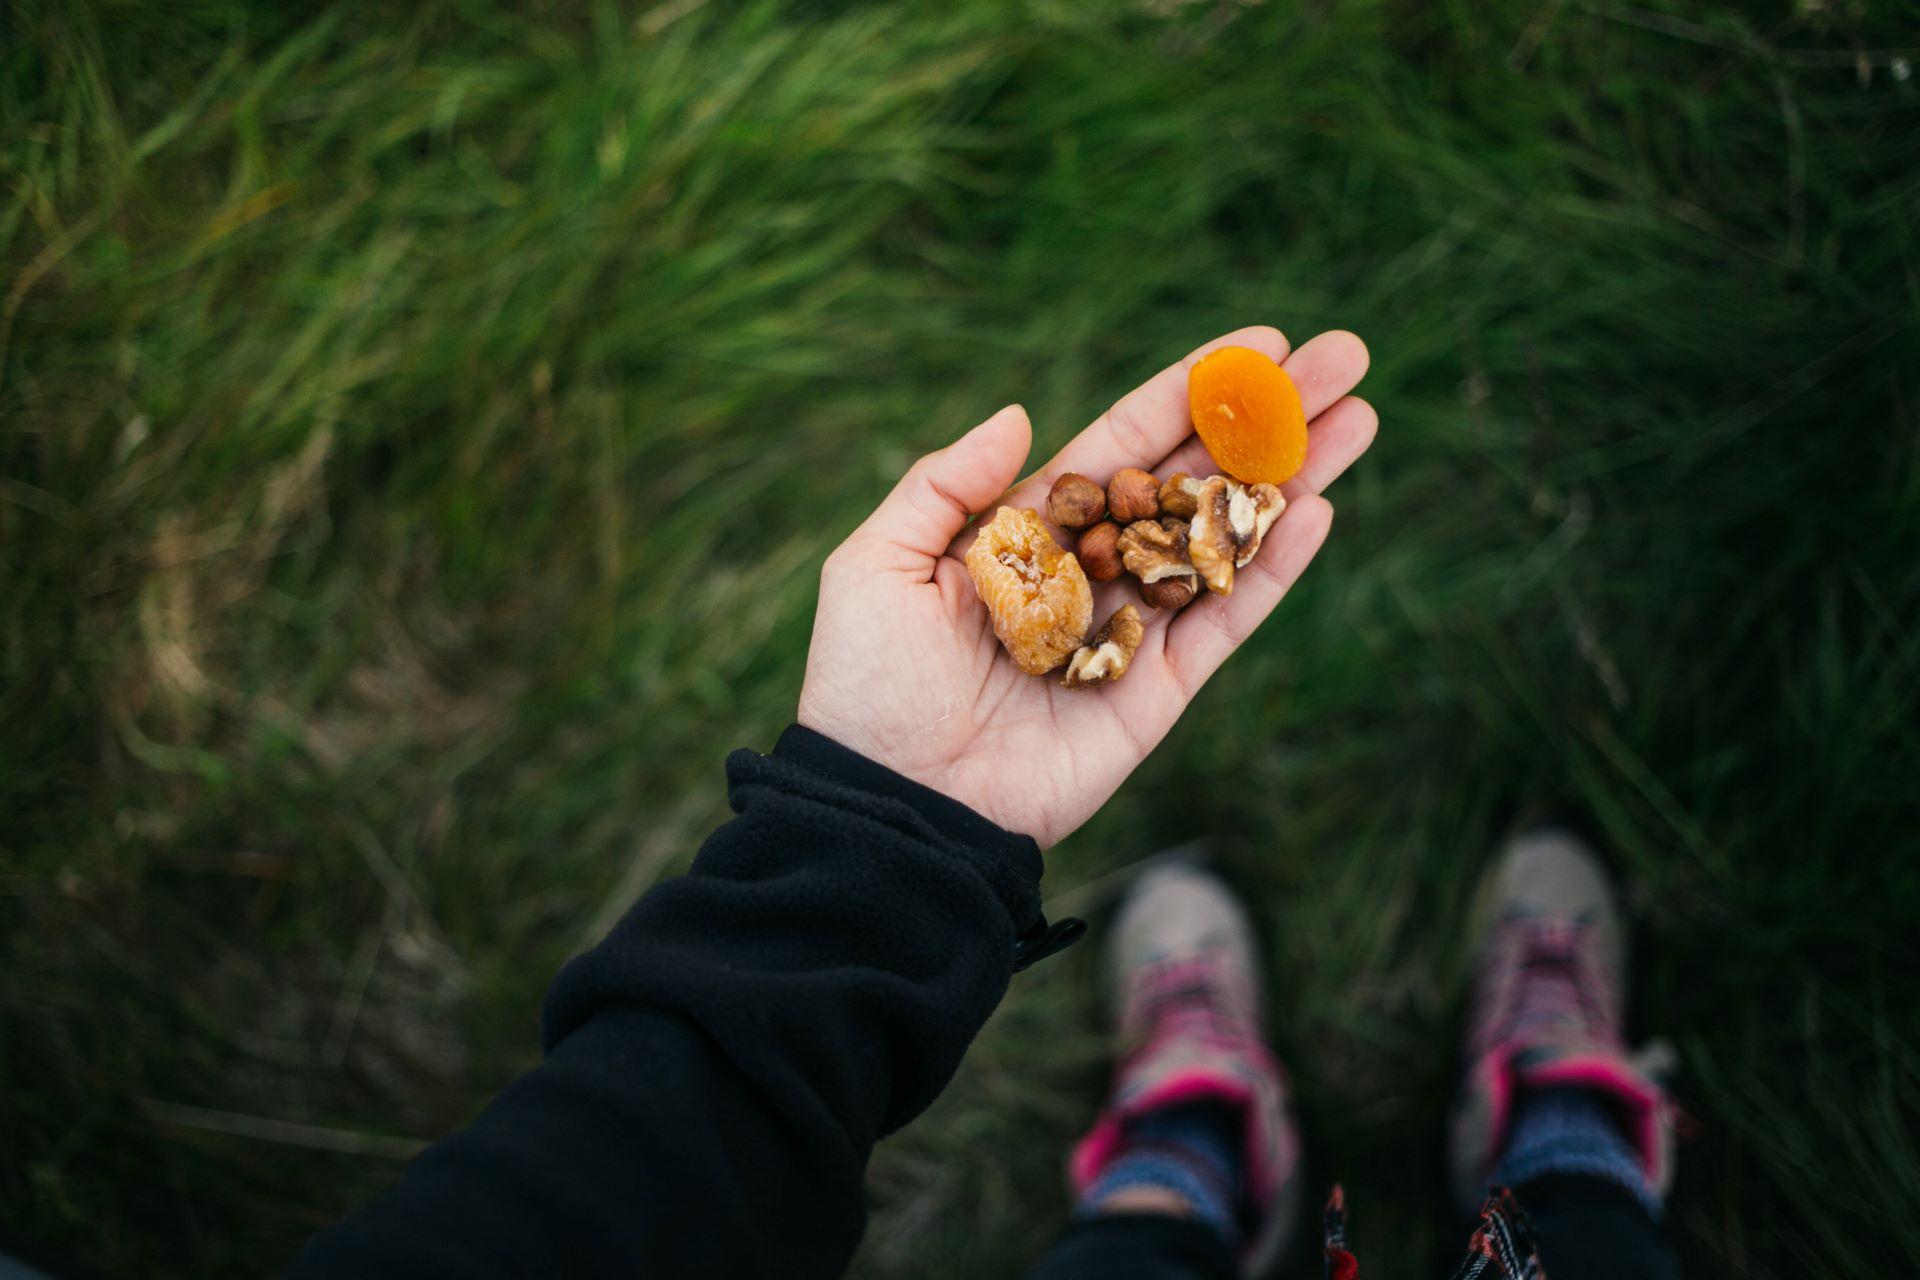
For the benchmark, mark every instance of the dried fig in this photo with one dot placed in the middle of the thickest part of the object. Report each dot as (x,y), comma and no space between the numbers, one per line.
(1035,592)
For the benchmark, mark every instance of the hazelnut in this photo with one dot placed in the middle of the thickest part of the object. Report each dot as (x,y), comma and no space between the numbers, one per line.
(1099,552)
(1180,496)
(1171,594)
(1107,655)
(1075,501)
(1132,495)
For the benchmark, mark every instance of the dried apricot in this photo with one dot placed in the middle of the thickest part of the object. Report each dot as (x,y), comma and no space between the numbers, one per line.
(1248,414)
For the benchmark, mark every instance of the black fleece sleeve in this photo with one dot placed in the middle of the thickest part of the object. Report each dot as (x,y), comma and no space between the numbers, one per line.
(719,1068)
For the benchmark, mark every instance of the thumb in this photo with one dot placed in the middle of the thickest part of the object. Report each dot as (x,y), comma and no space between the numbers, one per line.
(942,491)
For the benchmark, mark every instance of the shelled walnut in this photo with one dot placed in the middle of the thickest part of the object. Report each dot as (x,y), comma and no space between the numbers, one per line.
(1106,657)
(1040,596)
(1155,550)
(1228,524)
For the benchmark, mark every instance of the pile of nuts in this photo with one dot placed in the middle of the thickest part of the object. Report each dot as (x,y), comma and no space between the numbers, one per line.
(1173,537)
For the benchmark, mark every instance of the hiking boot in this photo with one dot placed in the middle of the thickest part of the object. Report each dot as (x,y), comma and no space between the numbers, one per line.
(1548,1011)
(1188,998)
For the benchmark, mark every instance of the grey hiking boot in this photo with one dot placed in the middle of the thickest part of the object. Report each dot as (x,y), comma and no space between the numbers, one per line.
(1549,1011)
(1188,998)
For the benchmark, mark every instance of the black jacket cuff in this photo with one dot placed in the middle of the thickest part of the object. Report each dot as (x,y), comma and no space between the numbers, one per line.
(1010,861)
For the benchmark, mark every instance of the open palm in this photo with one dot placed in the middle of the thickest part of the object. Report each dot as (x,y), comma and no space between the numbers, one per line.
(904,666)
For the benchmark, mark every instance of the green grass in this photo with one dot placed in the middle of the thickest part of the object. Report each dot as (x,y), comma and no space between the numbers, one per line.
(420,424)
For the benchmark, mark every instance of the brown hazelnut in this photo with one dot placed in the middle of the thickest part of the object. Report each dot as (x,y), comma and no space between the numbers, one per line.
(1180,496)
(1075,501)
(1168,593)
(1099,552)
(1132,495)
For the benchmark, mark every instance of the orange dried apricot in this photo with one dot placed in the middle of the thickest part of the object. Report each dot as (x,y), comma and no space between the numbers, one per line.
(1248,414)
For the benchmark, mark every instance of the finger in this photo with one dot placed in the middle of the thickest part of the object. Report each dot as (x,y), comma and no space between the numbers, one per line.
(943,490)
(1141,428)
(1324,369)
(1193,458)
(1207,632)
(1335,441)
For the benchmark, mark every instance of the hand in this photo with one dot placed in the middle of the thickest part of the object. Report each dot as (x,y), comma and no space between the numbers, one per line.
(904,666)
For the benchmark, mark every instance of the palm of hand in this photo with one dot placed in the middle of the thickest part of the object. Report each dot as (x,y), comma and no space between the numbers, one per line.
(904,666)
(937,700)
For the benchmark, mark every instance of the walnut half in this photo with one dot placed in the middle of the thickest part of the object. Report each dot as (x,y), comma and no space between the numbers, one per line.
(1106,657)
(1156,549)
(1228,526)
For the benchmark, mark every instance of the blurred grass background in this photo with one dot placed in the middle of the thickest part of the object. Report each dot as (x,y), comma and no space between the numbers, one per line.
(422,424)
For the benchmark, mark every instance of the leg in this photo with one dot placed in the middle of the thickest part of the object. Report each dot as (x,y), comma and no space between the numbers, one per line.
(1589,1228)
(1137,1246)
(1583,1187)
(1553,1105)
(1191,1171)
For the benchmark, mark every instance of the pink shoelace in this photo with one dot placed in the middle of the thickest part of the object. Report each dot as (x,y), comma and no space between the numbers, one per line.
(1201,995)
(1551,987)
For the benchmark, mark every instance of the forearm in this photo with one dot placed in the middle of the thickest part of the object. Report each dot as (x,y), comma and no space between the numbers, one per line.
(719,1068)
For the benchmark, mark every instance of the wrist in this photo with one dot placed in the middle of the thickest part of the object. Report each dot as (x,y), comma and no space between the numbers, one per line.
(806,745)
(1009,861)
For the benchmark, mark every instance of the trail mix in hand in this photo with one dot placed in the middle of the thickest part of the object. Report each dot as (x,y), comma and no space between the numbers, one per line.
(1173,536)
(1039,595)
